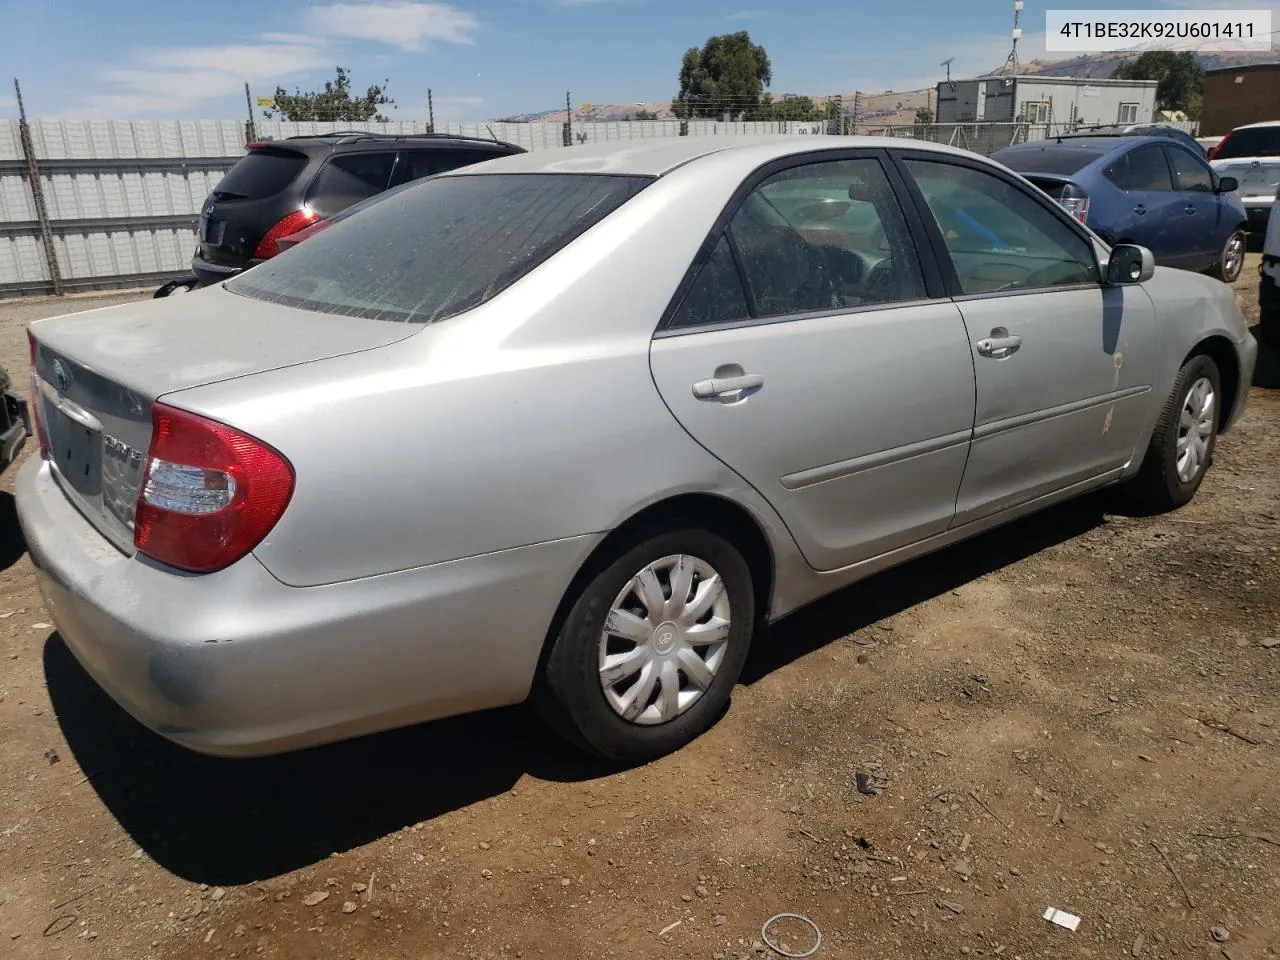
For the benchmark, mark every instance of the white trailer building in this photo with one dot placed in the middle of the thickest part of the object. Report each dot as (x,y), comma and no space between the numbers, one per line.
(1049,100)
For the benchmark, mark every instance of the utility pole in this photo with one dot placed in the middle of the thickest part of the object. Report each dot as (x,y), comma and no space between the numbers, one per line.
(431,113)
(249,136)
(568,121)
(37,193)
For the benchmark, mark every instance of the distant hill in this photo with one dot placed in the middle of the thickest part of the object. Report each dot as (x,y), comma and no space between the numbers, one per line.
(894,108)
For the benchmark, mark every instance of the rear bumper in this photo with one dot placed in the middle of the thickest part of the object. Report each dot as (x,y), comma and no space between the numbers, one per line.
(235,663)
(15,427)
(210,273)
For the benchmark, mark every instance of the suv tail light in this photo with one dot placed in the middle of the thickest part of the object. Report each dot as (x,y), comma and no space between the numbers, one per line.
(33,408)
(209,493)
(1075,201)
(289,225)
(1217,147)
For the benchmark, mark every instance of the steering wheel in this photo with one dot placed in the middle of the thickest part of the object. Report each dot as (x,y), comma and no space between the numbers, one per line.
(882,281)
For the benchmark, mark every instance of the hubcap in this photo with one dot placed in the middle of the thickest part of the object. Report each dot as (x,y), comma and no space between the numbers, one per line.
(1195,429)
(664,639)
(1233,257)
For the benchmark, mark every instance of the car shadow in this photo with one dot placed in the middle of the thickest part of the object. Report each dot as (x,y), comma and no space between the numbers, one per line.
(1266,373)
(229,822)
(12,544)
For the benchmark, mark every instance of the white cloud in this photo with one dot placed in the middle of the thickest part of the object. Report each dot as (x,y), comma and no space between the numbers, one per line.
(175,79)
(455,108)
(398,23)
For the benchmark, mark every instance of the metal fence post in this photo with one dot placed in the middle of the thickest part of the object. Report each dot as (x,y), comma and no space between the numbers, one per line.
(37,193)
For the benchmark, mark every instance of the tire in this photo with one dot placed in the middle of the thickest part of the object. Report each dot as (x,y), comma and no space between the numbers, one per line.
(1159,485)
(571,694)
(1231,259)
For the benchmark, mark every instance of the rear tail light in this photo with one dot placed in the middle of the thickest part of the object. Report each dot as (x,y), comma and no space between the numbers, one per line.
(1075,201)
(291,224)
(209,493)
(33,408)
(284,243)
(1217,147)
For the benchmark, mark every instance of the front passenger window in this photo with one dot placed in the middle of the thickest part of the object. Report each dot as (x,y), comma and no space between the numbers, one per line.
(999,237)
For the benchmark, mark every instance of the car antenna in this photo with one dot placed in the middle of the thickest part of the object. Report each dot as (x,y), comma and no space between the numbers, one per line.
(491,133)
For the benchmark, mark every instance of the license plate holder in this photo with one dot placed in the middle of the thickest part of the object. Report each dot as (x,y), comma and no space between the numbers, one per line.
(77,453)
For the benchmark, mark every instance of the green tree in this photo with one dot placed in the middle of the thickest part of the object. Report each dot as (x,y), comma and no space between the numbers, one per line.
(924,117)
(334,102)
(646,115)
(1179,78)
(792,108)
(728,75)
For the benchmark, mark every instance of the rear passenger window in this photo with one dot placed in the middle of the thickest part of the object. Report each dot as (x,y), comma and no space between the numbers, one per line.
(427,163)
(1143,169)
(350,178)
(716,295)
(824,236)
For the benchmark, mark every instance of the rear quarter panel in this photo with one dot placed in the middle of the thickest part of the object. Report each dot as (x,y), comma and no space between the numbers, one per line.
(533,418)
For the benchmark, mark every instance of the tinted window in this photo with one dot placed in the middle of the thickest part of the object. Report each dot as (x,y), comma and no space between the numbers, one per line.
(716,295)
(1063,161)
(439,247)
(1142,169)
(824,236)
(1190,173)
(1250,142)
(259,174)
(426,163)
(349,178)
(999,237)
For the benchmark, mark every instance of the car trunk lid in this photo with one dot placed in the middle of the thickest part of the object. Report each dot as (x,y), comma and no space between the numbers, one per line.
(97,375)
(1259,177)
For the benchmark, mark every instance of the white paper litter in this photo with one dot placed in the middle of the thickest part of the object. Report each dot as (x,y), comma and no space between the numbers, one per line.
(1062,918)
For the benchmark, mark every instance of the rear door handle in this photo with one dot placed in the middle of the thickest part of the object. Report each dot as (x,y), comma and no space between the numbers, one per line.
(1140,209)
(728,389)
(1189,210)
(998,346)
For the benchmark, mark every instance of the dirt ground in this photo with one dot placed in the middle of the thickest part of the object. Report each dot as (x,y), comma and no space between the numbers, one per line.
(1079,711)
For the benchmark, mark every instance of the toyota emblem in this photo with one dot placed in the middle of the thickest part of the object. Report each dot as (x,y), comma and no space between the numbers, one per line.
(62,375)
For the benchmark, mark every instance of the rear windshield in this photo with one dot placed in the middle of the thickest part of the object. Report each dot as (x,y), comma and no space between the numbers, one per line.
(259,174)
(438,247)
(1063,161)
(1250,142)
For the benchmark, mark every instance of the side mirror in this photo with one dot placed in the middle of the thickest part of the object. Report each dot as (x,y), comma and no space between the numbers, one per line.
(1130,263)
(1228,184)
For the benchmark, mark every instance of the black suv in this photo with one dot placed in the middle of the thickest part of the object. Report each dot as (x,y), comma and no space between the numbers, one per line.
(282,186)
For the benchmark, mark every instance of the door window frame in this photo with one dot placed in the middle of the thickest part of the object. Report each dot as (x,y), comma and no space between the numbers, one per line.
(938,245)
(935,283)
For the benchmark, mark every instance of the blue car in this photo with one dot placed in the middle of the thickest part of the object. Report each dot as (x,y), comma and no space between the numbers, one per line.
(1151,191)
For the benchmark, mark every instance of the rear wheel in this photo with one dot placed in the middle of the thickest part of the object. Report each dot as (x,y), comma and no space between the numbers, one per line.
(1181,447)
(649,653)
(1231,259)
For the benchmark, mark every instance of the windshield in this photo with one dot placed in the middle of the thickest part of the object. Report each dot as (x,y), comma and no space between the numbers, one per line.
(439,247)
(1250,142)
(1063,161)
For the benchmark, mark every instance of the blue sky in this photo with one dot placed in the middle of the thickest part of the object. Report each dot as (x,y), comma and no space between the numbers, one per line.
(482,58)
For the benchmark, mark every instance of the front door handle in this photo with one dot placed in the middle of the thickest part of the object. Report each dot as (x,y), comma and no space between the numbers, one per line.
(728,389)
(1140,210)
(998,347)
(1189,210)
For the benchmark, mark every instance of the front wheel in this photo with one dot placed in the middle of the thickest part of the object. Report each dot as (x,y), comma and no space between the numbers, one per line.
(1231,259)
(651,649)
(1182,444)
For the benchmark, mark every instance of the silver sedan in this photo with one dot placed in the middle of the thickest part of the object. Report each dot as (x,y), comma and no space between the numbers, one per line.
(569,425)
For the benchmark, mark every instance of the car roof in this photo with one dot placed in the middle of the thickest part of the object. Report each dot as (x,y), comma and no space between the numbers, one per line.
(653,157)
(1264,123)
(354,139)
